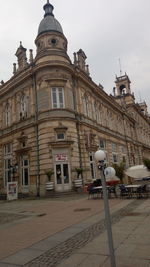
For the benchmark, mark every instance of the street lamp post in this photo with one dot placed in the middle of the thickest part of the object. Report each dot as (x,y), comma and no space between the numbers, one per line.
(100,157)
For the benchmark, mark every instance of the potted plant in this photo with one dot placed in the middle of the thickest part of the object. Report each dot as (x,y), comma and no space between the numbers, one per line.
(78,180)
(49,184)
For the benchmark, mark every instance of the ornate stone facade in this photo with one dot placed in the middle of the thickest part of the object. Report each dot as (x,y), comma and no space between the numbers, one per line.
(53,116)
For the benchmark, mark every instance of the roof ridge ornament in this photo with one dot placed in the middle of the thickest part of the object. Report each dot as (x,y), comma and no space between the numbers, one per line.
(48,8)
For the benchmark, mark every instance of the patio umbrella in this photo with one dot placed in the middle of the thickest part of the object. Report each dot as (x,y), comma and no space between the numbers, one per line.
(112,181)
(138,171)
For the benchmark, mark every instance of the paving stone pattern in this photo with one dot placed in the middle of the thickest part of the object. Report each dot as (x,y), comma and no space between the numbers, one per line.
(54,256)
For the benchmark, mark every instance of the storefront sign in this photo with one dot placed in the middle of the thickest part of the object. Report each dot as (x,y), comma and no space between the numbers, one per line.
(61,157)
(12,190)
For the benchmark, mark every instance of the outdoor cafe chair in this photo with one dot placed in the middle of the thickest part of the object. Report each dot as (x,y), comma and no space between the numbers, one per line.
(112,191)
(93,192)
(124,192)
(142,191)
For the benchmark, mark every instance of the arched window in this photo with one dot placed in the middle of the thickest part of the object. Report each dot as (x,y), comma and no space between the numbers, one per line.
(7,114)
(23,107)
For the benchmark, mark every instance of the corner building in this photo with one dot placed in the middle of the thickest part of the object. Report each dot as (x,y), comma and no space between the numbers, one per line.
(53,116)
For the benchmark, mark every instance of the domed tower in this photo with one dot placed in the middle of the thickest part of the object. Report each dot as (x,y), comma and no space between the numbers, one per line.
(50,42)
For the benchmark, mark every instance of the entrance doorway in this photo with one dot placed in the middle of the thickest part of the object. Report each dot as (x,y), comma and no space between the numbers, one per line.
(62,177)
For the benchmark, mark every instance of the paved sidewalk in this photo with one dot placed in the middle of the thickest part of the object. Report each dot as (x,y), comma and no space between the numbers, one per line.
(131,242)
(79,237)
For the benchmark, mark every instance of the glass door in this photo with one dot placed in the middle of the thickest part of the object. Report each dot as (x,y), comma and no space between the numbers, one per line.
(62,177)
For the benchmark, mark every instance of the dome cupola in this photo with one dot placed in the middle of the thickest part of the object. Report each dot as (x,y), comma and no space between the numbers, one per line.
(50,42)
(49,23)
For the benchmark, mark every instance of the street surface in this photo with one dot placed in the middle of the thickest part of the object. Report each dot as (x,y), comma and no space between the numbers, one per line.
(71,232)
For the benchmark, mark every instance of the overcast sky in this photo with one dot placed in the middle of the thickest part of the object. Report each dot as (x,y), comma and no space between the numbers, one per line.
(105,29)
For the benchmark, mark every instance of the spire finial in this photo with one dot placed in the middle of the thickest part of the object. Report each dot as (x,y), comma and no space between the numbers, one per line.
(48,9)
(120,67)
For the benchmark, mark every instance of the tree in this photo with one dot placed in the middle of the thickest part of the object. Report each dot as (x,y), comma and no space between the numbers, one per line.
(147,163)
(119,168)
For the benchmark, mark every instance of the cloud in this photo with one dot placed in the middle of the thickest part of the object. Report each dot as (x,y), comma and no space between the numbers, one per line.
(106,30)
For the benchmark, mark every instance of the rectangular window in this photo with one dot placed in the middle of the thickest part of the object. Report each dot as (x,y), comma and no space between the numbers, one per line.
(57,97)
(8,175)
(25,170)
(123,149)
(102,144)
(124,159)
(114,147)
(115,158)
(60,136)
(92,166)
(8,149)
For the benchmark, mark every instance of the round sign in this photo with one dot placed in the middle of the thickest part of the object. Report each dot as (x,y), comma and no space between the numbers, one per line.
(109,172)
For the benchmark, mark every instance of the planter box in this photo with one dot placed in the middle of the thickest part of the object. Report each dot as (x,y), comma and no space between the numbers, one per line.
(78,182)
(49,186)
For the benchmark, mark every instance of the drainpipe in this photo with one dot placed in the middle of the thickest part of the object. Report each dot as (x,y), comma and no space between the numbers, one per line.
(126,140)
(37,136)
(77,122)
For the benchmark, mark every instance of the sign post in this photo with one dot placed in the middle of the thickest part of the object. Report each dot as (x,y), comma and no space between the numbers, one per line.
(12,190)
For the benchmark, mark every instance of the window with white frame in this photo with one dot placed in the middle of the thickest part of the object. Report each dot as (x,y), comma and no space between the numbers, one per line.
(102,144)
(92,166)
(7,114)
(114,147)
(24,170)
(60,136)
(95,111)
(115,157)
(7,163)
(86,105)
(123,149)
(58,97)
(23,107)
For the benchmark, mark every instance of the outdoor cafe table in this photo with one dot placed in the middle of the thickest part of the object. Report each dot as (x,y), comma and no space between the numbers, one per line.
(132,188)
(100,189)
